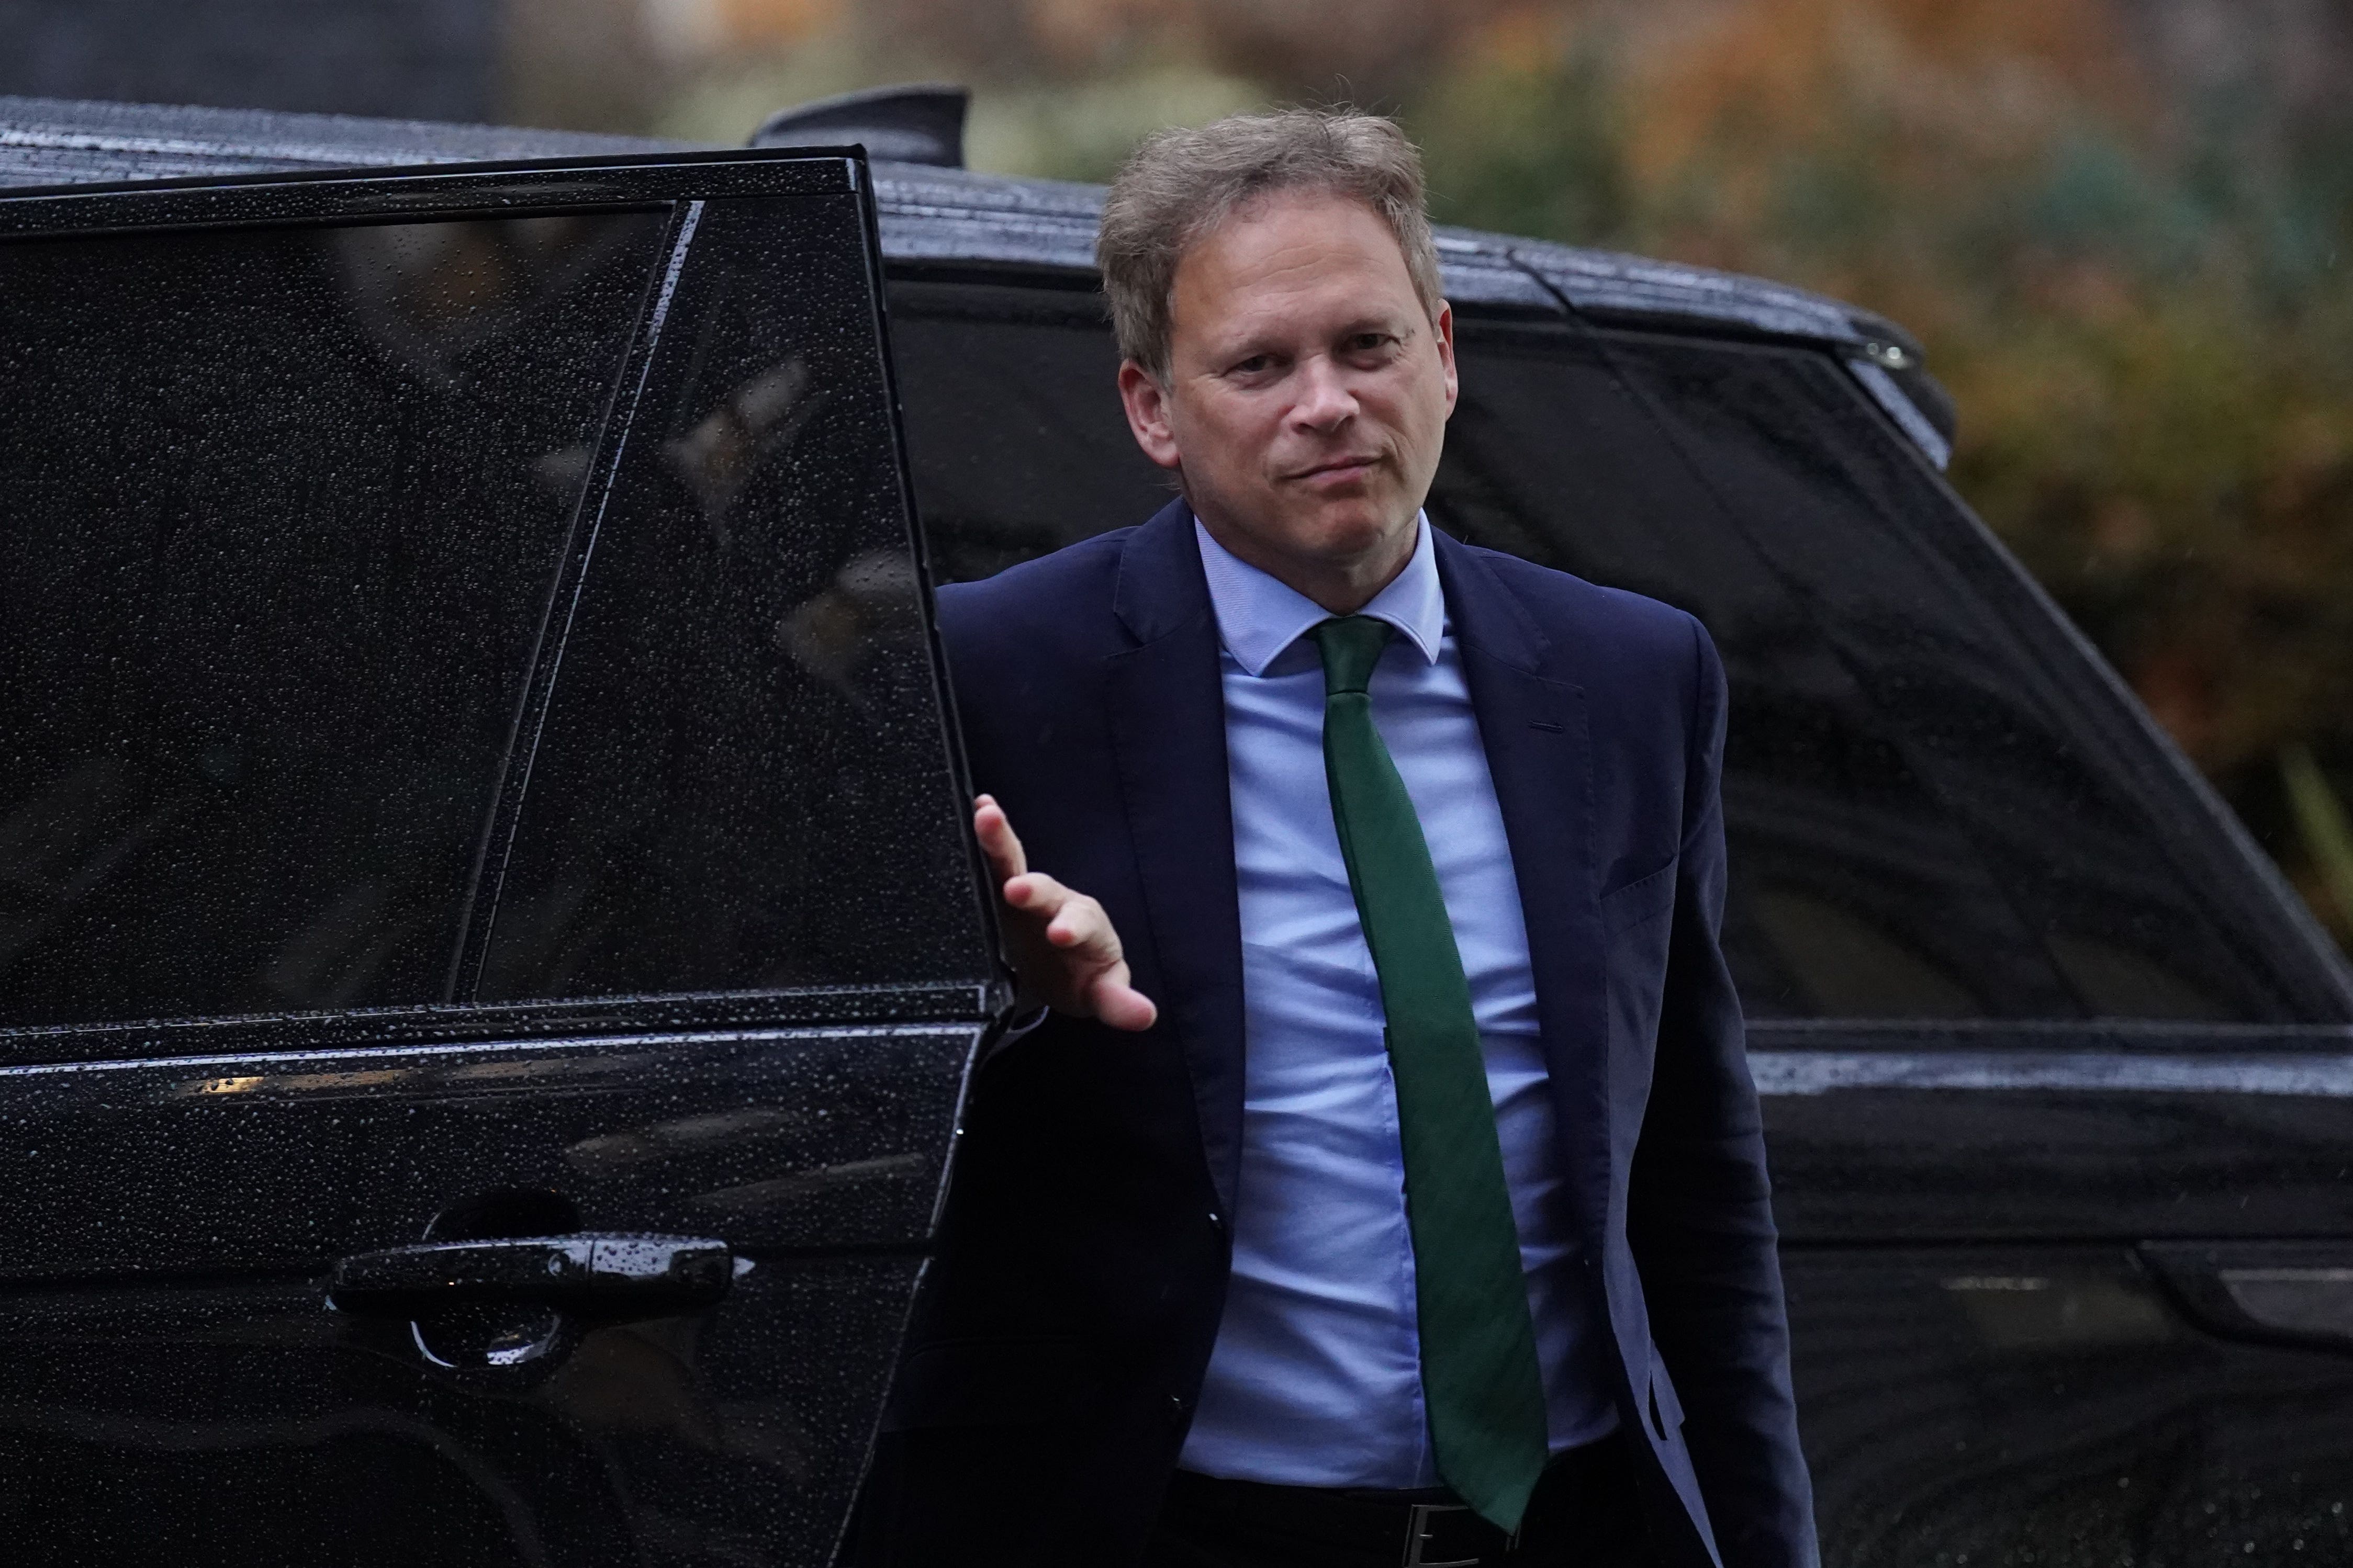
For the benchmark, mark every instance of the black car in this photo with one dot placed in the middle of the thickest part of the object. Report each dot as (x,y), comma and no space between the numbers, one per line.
(491,948)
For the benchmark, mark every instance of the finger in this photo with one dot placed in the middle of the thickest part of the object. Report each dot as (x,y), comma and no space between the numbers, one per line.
(1036,893)
(998,839)
(1082,929)
(1120,1005)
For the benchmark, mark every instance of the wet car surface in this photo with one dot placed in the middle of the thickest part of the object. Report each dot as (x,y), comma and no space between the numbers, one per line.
(476,778)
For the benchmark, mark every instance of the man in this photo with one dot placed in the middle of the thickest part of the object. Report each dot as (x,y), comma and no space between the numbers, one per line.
(1385,1184)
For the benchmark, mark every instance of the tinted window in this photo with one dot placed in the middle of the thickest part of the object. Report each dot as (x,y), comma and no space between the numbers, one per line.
(280,509)
(744,783)
(1919,829)
(1014,424)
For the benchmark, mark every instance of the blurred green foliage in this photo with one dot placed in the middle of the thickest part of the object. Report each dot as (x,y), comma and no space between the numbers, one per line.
(2135,282)
(2121,227)
(2327,829)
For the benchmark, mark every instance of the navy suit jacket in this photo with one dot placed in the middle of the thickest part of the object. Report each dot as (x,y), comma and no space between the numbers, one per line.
(1068,1314)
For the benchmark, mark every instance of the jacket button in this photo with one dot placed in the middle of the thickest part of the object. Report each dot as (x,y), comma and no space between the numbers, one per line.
(1178,1408)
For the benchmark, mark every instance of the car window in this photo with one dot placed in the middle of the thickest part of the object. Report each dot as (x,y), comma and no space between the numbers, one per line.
(1917,830)
(280,509)
(1014,426)
(504,609)
(745,780)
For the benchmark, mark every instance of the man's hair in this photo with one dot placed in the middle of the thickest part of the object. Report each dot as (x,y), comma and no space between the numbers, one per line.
(1182,184)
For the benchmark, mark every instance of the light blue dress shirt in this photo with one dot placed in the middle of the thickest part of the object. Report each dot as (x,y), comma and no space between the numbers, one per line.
(1315,1378)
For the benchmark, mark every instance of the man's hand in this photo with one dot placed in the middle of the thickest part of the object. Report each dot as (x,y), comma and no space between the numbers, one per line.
(1065,953)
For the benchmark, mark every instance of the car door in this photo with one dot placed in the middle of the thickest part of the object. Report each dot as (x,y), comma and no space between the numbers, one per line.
(490,948)
(2057,1078)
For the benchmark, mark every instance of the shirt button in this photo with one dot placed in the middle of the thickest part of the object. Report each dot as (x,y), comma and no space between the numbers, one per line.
(1217,1220)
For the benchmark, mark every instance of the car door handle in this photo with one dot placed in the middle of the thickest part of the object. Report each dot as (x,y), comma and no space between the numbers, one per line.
(601,1276)
(2283,1292)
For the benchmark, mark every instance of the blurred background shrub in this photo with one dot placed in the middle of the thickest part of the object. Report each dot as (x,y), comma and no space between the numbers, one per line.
(2120,226)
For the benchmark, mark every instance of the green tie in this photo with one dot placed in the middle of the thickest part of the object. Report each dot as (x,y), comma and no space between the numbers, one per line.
(1478,1373)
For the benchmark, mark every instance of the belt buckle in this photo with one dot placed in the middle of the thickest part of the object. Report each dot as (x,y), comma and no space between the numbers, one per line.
(1417,1536)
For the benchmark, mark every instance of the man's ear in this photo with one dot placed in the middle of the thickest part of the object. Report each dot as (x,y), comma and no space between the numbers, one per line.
(1444,337)
(1146,402)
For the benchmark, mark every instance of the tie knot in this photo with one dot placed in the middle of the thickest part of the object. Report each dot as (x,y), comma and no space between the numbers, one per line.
(1351,646)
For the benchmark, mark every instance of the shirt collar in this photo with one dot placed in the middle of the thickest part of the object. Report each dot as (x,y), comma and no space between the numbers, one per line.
(1259,616)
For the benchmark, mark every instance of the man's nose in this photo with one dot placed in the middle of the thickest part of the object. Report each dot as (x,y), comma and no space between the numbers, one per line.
(1324,401)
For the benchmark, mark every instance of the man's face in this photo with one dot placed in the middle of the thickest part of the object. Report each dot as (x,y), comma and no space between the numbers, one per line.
(1307,393)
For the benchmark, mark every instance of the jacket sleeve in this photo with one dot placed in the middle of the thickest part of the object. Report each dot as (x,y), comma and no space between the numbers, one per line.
(1699,1209)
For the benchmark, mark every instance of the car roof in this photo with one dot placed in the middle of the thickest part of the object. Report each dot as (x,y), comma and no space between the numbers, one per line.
(928,215)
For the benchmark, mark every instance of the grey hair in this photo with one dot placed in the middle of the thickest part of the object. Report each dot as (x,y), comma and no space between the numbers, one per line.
(1182,184)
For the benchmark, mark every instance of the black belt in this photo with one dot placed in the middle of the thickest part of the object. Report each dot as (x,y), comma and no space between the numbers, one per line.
(1585,1496)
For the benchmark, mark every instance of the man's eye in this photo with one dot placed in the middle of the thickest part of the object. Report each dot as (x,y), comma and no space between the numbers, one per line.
(1251,365)
(1368,342)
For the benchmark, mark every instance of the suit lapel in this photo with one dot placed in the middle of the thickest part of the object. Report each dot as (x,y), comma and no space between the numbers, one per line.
(1533,728)
(1168,728)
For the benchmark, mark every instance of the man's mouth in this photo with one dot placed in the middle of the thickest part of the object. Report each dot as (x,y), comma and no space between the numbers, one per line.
(1338,468)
